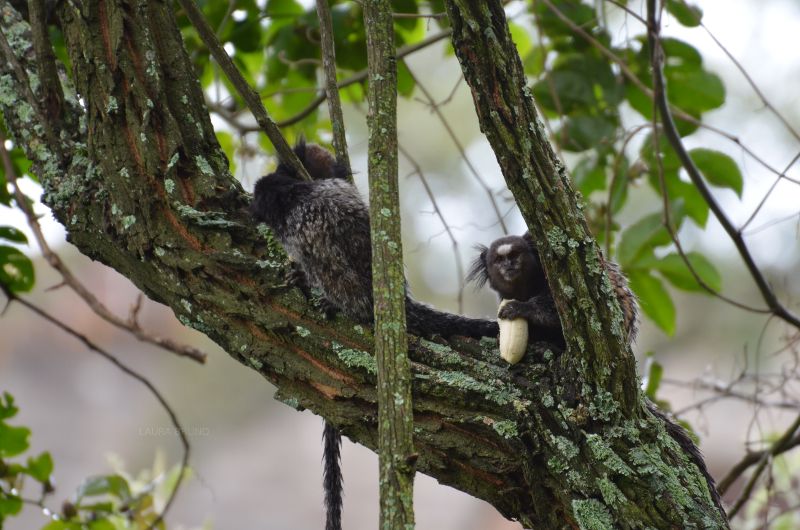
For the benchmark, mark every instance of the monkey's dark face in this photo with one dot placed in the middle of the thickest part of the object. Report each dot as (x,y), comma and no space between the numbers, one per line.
(509,263)
(511,266)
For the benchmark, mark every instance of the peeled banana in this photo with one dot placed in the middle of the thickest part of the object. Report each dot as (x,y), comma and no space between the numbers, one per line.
(513,337)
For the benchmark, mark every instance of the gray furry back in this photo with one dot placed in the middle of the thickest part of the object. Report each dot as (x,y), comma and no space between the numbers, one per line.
(324,226)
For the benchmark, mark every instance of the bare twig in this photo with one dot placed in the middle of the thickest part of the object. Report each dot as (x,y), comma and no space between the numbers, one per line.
(247,93)
(752,84)
(671,132)
(680,114)
(70,279)
(451,133)
(131,373)
(331,90)
(358,77)
(447,229)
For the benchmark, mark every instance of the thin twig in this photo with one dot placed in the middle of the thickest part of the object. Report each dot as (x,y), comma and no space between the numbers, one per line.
(250,96)
(769,192)
(358,77)
(462,151)
(438,212)
(72,281)
(331,90)
(671,132)
(131,373)
(679,113)
(752,84)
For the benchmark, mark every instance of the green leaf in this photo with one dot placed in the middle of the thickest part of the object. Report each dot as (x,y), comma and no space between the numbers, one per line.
(654,376)
(16,270)
(9,505)
(687,14)
(41,467)
(695,91)
(405,81)
(12,234)
(654,299)
(62,525)
(589,176)
(580,14)
(102,524)
(719,169)
(521,38)
(673,268)
(7,407)
(115,485)
(283,8)
(584,132)
(13,440)
(639,240)
(534,61)
(619,190)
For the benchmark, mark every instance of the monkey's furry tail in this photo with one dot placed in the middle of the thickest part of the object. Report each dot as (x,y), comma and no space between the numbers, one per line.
(425,321)
(332,477)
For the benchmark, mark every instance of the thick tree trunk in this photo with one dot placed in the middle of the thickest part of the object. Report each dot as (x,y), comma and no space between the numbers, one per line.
(135,173)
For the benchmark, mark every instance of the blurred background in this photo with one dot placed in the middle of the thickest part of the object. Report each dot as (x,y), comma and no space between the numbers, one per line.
(257,462)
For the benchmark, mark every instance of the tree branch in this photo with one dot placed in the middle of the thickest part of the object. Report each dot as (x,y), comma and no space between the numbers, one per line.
(672,134)
(245,90)
(396,457)
(331,90)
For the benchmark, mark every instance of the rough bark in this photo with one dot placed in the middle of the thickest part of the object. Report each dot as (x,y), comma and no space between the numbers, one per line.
(396,457)
(597,359)
(135,173)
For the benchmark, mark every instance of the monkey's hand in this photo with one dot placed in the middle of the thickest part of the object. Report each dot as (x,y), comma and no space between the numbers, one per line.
(538,311)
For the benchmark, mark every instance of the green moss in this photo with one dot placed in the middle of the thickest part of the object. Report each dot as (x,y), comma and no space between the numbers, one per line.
(557,240)
(111,106)
(648,461)
(501,395)
(173,160)
(291,401)
(591,514)
(565,446)
(603,406)
(506,428)
(612,495)
(213,219)
(605,454)
(203,165)
(255,363)
(356,358)
(446,353)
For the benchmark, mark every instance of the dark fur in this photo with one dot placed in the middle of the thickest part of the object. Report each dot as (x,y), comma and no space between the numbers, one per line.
(516,274)
(324,227)
(332,476)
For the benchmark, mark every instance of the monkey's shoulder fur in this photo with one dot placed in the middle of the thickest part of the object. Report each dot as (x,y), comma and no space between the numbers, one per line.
(512,268)
(323,225)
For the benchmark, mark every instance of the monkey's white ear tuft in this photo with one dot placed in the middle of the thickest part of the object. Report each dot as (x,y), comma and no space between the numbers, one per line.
(513,337)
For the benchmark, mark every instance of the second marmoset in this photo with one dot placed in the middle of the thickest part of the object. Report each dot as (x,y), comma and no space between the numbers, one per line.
(511,267)
(324,226)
